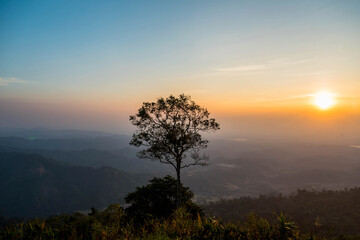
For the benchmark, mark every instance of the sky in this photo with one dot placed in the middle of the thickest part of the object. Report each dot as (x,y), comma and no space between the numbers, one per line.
(256,65)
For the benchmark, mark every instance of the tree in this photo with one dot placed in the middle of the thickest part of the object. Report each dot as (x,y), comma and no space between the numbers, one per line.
(158,199)
(169,129)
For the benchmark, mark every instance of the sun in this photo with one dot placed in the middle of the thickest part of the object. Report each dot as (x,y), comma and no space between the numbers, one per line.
(324,100)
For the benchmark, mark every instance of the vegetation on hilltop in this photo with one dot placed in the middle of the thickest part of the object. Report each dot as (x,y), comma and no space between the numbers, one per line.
(326,212)
(158,200)
(152,214)
(113,223)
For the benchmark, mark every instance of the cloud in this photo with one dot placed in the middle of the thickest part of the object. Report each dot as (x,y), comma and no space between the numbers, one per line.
(226,165)
(244,68)
(349,98)
(316,73)
(240,140)
(8,81)
(253,68)
(337,96)
(271,99)
(277,63)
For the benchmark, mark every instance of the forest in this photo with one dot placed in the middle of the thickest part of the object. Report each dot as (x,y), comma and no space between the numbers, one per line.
(150,213)
(327,212)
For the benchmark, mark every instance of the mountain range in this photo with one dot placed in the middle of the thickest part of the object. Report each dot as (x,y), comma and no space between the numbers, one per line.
(46,172)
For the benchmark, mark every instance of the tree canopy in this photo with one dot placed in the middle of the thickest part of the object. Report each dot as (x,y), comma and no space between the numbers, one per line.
(170,130)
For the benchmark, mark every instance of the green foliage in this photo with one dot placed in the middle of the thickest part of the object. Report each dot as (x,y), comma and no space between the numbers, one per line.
(32,230)
(325,213)
(158,200)
(153,215)
(112,224)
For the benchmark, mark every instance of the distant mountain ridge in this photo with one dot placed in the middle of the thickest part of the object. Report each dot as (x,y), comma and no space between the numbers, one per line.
(41,132)
(103,143)
(236,168)
(123,159)
(32,185)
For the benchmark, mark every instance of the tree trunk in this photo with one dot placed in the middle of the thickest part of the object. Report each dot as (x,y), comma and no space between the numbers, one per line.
(178,191)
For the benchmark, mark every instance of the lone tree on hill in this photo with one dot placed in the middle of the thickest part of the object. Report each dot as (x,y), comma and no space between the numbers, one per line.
(169,129)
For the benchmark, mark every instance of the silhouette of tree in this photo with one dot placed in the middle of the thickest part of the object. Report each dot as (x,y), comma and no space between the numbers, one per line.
(158,199)
(169,129)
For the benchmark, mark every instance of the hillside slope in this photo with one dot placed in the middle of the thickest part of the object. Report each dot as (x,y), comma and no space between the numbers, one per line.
(32,185)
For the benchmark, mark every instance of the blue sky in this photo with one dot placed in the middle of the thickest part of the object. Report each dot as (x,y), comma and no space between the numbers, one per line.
(96,54)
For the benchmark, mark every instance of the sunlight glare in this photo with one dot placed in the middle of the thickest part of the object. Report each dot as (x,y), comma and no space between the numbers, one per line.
(324,100)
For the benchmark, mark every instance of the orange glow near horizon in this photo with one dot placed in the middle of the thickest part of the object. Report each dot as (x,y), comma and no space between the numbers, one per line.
(322,104)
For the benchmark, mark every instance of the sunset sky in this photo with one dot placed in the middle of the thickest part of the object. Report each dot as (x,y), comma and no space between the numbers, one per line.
(90,64)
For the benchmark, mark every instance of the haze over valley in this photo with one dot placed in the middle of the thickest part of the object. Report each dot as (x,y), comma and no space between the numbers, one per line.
(236,168)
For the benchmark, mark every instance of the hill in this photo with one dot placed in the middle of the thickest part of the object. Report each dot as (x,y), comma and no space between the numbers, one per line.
(326,212)
(32,185)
